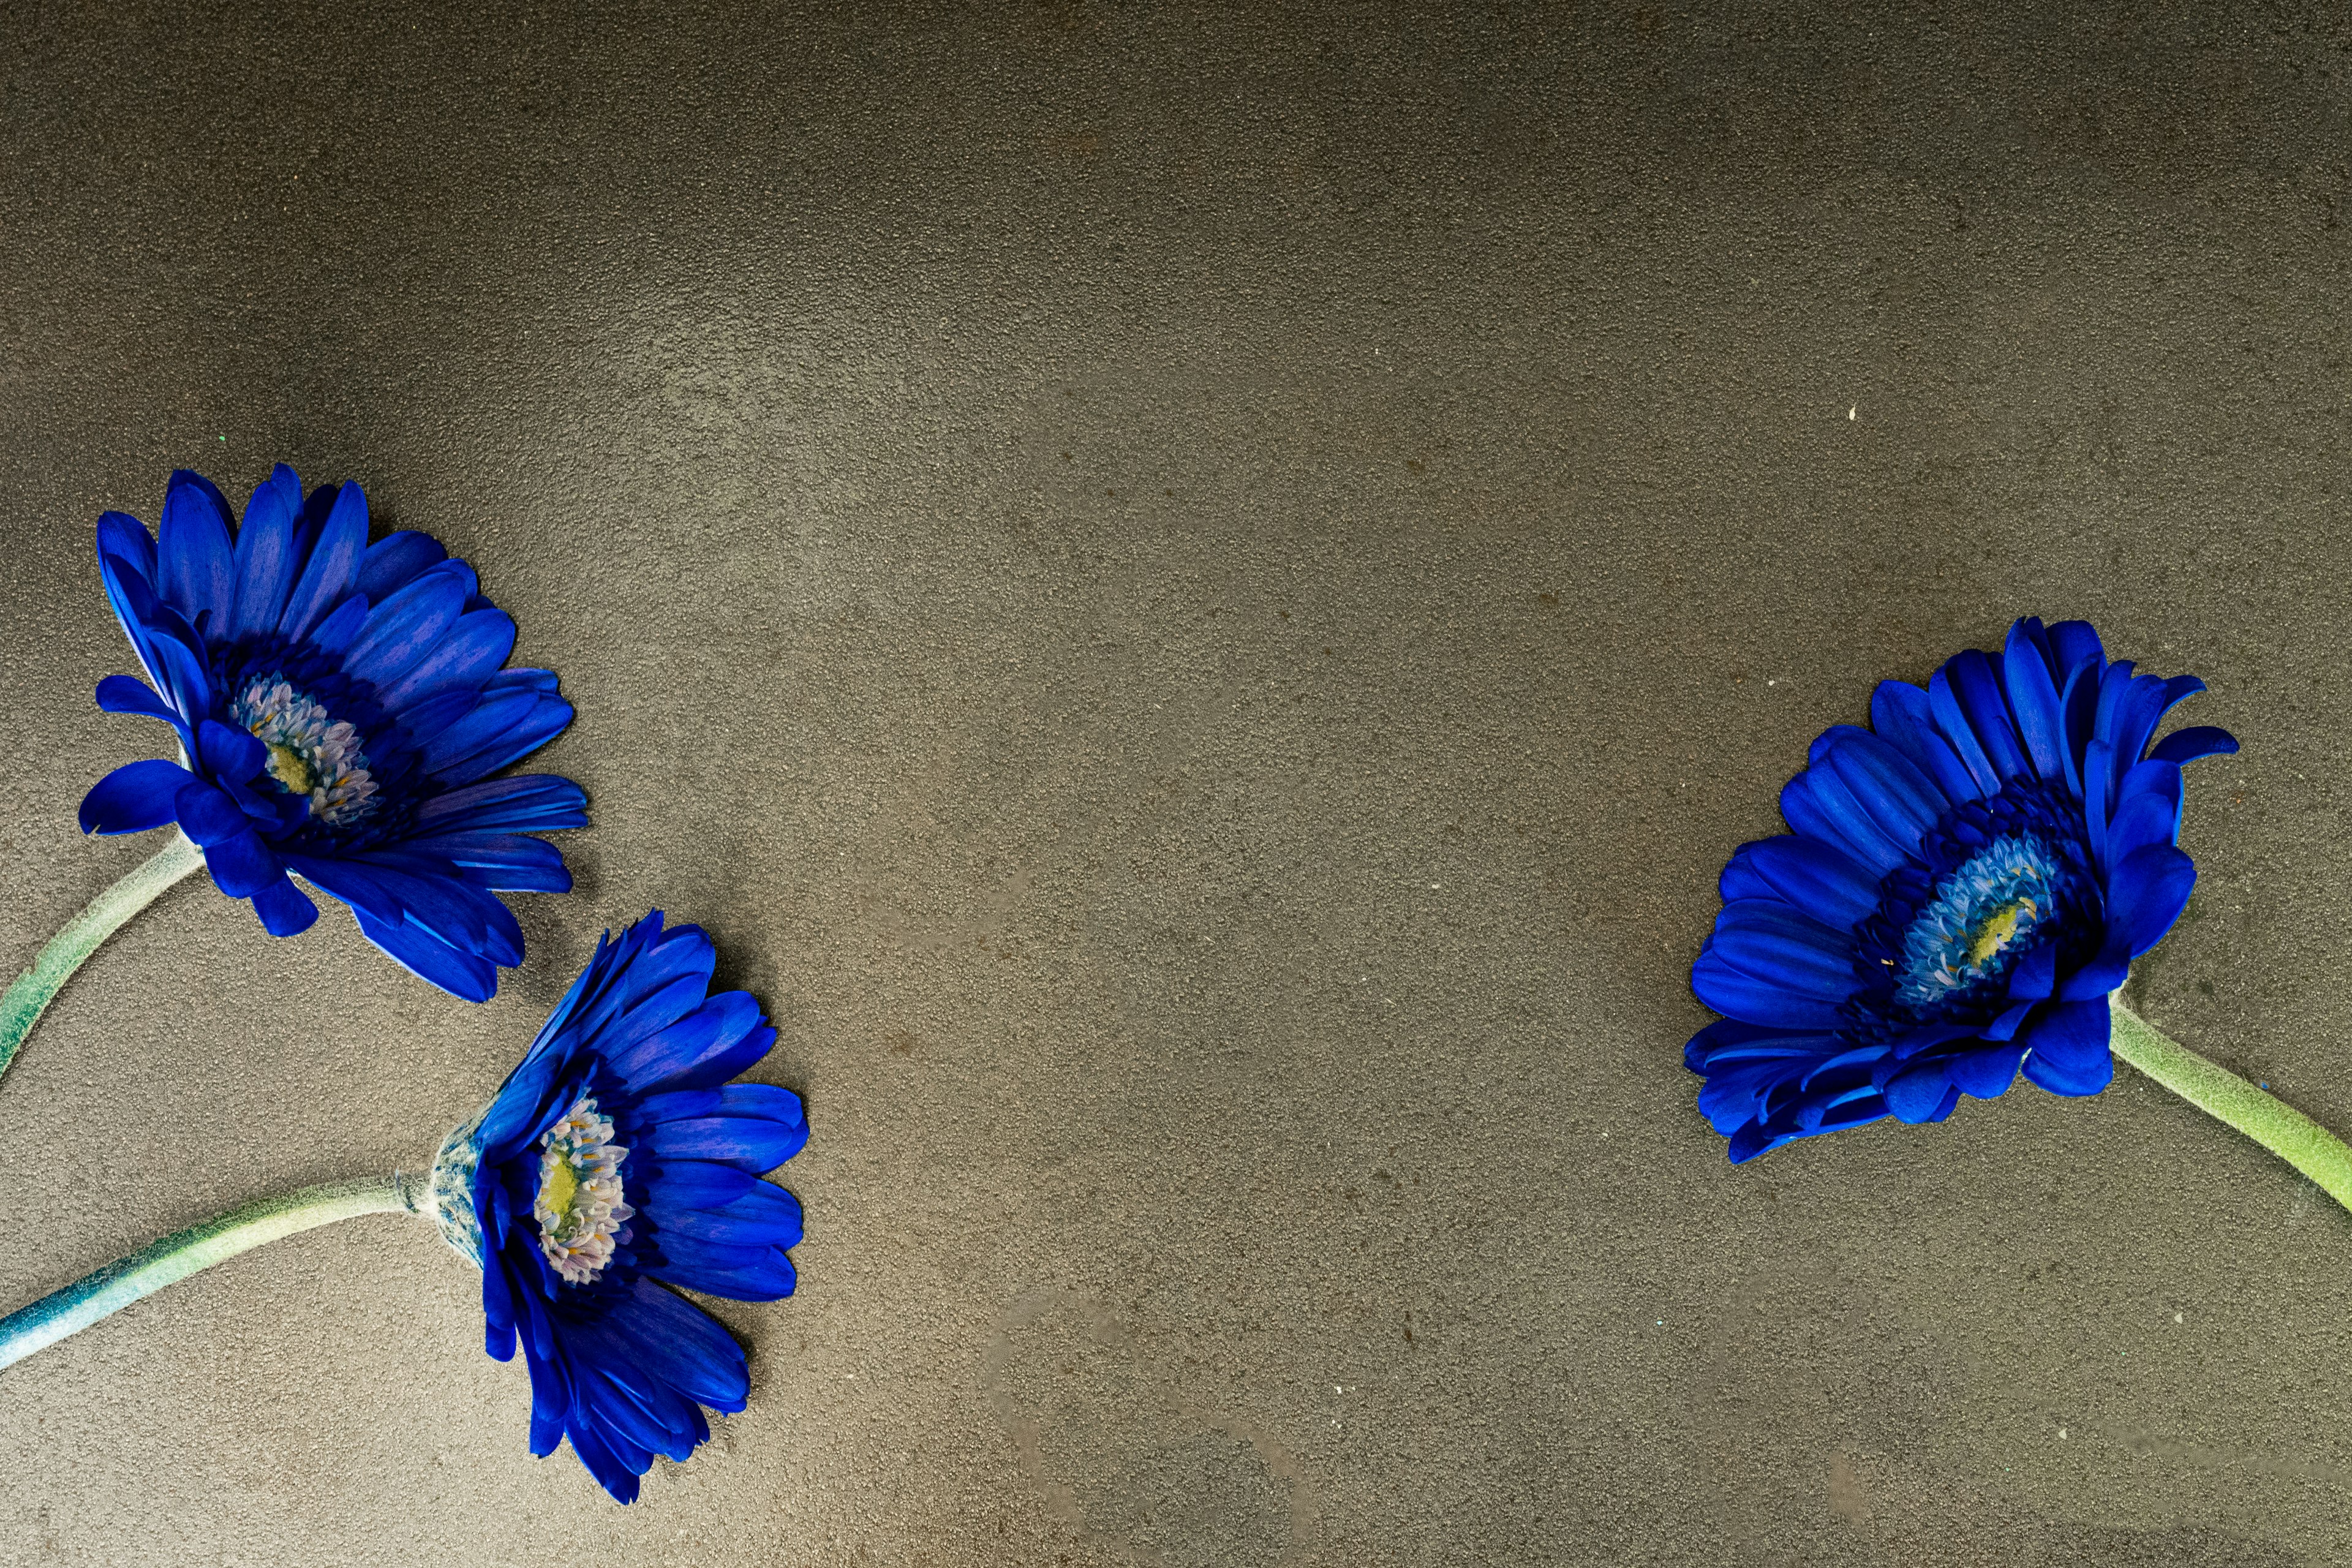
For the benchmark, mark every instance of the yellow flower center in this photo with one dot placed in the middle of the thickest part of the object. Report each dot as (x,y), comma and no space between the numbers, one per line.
(287,766)
(558,1183)
(1997,930)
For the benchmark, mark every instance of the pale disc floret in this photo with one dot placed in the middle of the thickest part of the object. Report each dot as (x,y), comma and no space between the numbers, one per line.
(579,1208)
(310,754)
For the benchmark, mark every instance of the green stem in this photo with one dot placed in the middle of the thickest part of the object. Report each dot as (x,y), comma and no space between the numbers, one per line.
(28,998)
(182,1253)
(2223,1094)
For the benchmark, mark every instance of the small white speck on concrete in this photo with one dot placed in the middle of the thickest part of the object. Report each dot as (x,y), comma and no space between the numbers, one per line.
(1853,413)
(2061,1432)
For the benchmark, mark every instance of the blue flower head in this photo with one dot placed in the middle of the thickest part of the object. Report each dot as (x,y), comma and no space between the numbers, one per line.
(617,1154)
(1966,882)
(340,707)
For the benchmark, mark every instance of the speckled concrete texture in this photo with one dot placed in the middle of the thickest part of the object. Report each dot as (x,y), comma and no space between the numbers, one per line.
(1197,595)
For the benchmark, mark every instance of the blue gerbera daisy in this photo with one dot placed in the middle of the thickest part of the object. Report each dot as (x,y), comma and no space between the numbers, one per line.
(617,1154)
(1967,882)
(339,707)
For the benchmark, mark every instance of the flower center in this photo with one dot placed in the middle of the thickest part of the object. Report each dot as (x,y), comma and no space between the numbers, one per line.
(1997,930)
(1983,915)
(578,1207)
(310,753)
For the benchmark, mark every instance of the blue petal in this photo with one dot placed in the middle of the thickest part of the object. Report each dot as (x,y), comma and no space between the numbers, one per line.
(521,679)
(134,797)
(457,911)
(534,803)
(2197,741)
(471,652)
(401,630)
(1772,941)
(167,645)
(1751,1141)
(2010,1020)
(2172,693)
(228,752)
(697,1184)
(707,1047)
(334,559)
(352,881)
(393,560)
(1738,995)
(2130,707)
(606,1460)
(681,951)
(1905,719)
(2098,797)
(753,1144)
(680,1344)
(542,724)
(126,555)
(209,815)
(650,1016)
(284,909)
(2099,977)
(1987,1073)
(2033,701)
(2148,811)
(342,625)
(763,1215)
(1918,1092)
(521,1110)
(697,1266)
(242,865)
(2036,974)
(773,1101)
(1734,1095)
(1900,800)
(266,561)
(121,694)
(1826,742)
(1729,1040)
(192,552)
(1818,806)
(2069,1049)
(186,684)
(123,540)
(2150,889)
(1952,723)
(1981,699)
(497,1311)
(422,719)
(628,1403)
(2078,709)
(463,976)
(503,862)
(2076,645)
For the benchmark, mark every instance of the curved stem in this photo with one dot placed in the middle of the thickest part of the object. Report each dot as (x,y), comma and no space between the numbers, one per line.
(2223,1094)
(28,998)
(182,1253)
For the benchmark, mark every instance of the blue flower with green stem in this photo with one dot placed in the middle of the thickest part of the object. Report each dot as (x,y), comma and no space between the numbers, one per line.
(1958,902)
(618,1159)
(618,1164)
(340,707)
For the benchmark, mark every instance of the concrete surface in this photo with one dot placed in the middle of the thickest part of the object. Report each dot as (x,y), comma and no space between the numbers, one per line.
(1197,595)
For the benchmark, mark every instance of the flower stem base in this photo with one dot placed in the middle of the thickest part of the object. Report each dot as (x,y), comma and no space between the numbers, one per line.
(28,998)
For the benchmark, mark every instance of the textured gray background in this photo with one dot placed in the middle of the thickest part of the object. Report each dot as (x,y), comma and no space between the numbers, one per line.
(1197,595)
